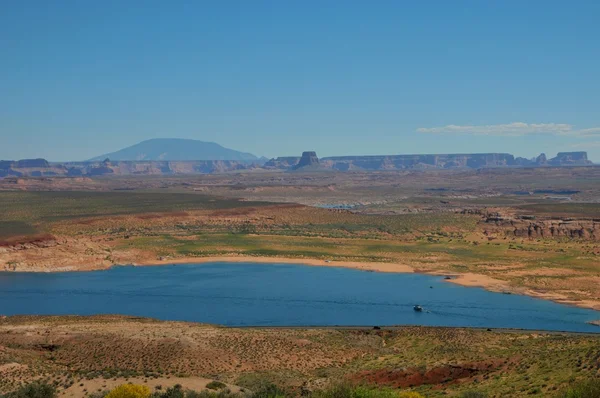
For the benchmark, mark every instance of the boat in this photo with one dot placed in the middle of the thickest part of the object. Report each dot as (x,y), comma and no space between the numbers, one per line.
(418,308)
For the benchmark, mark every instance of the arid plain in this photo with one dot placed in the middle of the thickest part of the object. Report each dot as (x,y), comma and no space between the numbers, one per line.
(533,231)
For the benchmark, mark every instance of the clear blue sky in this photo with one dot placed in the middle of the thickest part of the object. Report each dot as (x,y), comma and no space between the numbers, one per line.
(82,78)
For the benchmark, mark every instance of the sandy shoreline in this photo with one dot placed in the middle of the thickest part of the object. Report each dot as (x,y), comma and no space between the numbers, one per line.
(374,266)
(464,279)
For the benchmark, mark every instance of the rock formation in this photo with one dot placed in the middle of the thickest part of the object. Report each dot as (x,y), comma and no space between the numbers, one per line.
(25,163)
(570,158)
(308,159)
(541,160)
(30,167)
(530,228)
(282,163)
(399,162)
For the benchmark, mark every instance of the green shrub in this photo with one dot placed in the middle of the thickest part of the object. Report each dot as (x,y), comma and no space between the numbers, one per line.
(196,394)
(349,391)
(172,392)
(269,391)
(473,394)
(177,391)
(215,385)
(213,394)
(35,390)
(586,389)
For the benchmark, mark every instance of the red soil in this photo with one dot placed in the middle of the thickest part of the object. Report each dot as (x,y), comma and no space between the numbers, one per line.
(23,240)
(412,377)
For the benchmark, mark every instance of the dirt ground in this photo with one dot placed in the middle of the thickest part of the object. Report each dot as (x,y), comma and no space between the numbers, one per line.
(85,354)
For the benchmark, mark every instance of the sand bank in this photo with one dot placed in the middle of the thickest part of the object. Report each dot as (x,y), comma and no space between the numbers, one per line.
(368,266)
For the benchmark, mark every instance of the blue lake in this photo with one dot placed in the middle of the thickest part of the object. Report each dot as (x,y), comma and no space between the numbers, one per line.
(280,295)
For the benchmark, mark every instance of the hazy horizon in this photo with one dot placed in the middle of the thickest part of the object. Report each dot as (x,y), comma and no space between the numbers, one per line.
(275,79)
(298,153)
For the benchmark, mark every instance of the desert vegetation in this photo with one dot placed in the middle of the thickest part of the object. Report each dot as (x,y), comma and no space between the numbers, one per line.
(83,355)
(583,389)
(479,227)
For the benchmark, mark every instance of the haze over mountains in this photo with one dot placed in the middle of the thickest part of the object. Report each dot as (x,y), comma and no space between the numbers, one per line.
(181,156)
(176,149)
(310,161)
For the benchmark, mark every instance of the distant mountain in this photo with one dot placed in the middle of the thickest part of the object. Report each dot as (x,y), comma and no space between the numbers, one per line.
(308,162)
(175,149)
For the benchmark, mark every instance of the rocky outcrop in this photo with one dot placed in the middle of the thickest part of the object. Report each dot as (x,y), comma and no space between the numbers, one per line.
(27,242)
(106,167)
(399,162)
(570,159)
(30,167)
(541,160)
(562,159)
(23,164)
(282,163)
(161,167)
(32,163)
(99,171)
(449,161)
(308,159)
(530,228)
(8,172)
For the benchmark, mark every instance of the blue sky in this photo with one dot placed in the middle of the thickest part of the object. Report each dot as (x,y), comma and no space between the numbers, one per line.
(82,78)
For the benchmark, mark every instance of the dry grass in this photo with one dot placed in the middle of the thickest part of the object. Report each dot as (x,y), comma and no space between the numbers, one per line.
(100,352)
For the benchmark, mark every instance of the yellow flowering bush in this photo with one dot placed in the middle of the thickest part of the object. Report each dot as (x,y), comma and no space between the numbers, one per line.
(410,394)
(130,391)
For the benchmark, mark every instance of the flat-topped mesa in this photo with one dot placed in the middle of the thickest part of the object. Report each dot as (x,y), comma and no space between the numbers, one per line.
(309,162)
(441,161)
(309,158)
(29,167)
(24,163)
(570,158)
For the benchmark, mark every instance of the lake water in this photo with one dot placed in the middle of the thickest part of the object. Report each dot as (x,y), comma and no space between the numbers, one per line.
(280,295)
